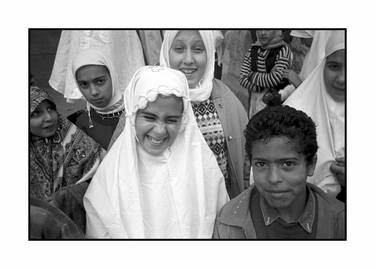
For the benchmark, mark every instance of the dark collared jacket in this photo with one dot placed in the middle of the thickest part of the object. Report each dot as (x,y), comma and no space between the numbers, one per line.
(234,220)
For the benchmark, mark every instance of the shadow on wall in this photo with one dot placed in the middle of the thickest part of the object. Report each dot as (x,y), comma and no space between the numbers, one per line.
(42,50)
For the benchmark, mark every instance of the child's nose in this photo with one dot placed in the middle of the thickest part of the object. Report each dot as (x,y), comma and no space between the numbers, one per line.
(274,176)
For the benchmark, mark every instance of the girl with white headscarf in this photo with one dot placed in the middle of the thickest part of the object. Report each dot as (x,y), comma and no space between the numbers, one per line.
(323,99)
(101,117)
(121,54)
(154,189)
(219,114)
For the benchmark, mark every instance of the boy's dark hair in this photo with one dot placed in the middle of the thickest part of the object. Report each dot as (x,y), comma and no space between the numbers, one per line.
(286,121)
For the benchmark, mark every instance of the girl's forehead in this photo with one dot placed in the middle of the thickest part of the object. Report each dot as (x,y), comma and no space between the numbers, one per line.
(165,104)
(89,71)
(188,35)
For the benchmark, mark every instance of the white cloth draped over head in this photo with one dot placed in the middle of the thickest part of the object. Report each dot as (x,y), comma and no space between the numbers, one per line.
(204,88)
(329,116)
(122,48)
(174,195)
(316,53)
(94,56)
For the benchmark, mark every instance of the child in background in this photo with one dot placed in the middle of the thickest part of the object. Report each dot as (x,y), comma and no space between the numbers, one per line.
(263,68)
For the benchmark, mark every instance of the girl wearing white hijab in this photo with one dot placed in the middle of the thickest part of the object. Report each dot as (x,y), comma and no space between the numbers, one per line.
(98,83)
(322,97)
(160,179)
(219,114)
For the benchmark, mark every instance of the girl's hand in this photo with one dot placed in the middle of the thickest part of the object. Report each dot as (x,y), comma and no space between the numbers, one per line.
(292,77)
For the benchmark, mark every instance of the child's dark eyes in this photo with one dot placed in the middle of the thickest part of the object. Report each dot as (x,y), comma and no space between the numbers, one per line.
(100,81)
(259,164)
(288,164)
(333,66)
(83,85)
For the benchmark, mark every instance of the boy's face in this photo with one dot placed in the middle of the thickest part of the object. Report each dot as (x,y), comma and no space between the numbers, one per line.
(280,172)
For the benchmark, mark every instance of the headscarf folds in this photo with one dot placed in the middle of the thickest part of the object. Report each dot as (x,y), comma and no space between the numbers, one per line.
(174,195)
(329,116)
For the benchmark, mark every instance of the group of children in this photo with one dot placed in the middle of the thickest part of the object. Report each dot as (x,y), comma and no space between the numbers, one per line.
(169,155)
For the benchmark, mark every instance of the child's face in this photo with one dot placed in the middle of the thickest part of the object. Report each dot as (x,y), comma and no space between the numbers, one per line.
(44,120)
(265,37)
(280,172)
(334,75)
(95,84)
(188,54)
(158,124)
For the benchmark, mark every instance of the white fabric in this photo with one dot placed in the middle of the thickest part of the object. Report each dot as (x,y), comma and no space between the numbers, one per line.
(302,33)
(175,195)
(94,56)
(204,88)
(329,116)
(122,47)
(316,53)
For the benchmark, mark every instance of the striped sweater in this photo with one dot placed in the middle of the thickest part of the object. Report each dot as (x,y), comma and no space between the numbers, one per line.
(256,74)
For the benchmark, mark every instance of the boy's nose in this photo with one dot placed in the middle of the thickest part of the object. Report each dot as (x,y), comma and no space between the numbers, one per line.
(274,176)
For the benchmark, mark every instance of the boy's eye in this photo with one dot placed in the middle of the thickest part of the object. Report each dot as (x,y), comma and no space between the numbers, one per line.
(259,164)
(288,164)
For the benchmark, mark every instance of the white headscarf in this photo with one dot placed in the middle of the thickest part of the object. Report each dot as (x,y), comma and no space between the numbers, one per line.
(175,195)
(94,56)
(316,53)
(122,47)
(329,116)
(204,88)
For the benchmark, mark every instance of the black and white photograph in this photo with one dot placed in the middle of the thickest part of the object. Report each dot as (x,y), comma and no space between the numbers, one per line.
(187,134)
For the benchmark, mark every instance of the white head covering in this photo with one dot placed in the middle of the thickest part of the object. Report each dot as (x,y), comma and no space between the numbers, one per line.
(316,53)
(203,91)
(122,47)
(175,195)
(302,33)
(329,116)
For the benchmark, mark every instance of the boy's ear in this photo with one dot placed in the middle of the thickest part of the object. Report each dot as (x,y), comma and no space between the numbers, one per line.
(311,166)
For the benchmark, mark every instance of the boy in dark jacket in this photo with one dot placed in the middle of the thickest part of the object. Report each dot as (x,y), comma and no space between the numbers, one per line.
(281,144)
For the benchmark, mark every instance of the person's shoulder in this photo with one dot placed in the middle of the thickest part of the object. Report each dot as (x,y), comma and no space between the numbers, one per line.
(234,211)
(326,201)
(220,89)
(79,118)
(223,90)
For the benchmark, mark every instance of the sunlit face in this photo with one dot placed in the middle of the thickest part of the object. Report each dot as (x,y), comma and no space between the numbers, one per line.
(95,84)
(158,124)
(265,37)
(188,54)
(44,120)
(280,172)
(334,75)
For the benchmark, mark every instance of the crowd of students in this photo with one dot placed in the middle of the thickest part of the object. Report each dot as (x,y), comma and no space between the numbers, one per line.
(165,149)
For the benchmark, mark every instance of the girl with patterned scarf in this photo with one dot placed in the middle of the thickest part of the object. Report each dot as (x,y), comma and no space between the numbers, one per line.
(60,153)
